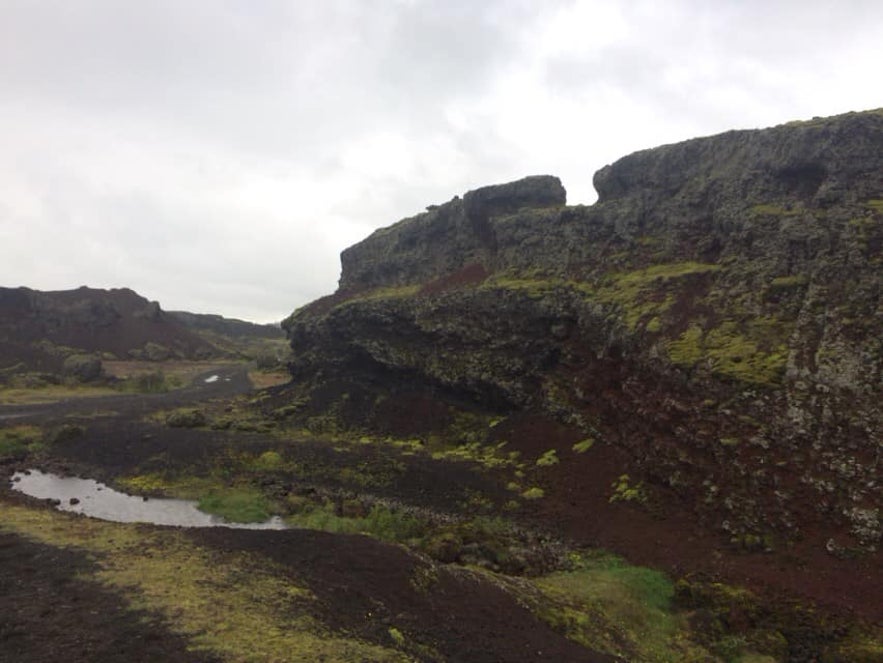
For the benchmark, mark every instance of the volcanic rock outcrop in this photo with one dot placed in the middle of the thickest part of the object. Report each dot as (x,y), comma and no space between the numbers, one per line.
(716,316)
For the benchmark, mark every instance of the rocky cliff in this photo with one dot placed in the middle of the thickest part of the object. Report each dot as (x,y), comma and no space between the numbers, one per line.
(715,318)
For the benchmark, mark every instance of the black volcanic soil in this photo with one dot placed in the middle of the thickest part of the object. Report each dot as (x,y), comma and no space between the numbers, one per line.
(50,611)
(365,587)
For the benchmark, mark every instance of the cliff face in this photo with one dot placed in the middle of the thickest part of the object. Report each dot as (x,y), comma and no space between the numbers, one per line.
(716,316)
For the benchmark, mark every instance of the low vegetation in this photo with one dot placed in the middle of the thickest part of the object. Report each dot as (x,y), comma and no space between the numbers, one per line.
(624,610)
(237,505)
(18,441)
(228,604)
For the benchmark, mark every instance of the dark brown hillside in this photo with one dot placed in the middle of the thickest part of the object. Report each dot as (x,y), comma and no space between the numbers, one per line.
(40,329)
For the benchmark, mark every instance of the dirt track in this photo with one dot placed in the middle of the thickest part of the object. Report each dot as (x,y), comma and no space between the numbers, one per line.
(231,380)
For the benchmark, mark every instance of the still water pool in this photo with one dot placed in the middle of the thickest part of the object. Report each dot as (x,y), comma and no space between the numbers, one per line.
(96,500)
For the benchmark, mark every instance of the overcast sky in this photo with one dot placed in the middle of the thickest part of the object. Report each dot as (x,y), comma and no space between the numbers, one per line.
(217,155)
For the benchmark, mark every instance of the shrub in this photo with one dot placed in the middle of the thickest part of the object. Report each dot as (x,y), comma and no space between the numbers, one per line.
(153,382)
(624,491)
(186,419)
(269,460)
(65,432)
(17,441)
(156,352)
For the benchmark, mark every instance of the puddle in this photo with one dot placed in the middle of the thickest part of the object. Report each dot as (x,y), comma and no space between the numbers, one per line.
(212,378)
(96,500)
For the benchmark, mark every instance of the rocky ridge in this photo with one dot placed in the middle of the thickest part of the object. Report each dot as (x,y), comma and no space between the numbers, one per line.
(715,317)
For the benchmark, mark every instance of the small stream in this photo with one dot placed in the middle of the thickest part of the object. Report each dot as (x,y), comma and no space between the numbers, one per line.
(96,500)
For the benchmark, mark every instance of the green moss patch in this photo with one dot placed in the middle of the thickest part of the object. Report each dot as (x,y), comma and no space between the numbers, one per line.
(645,295)
(547,459)
(732,353)
(611,606)
(584,445)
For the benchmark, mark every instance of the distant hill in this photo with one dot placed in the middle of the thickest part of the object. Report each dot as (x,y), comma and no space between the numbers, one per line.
(39,330)
(237,338)
(230,327)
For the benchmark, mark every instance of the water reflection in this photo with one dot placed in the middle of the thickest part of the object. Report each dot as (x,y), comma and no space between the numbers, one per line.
(98,501)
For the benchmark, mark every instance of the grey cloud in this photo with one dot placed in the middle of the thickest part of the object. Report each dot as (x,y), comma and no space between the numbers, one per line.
(202,152)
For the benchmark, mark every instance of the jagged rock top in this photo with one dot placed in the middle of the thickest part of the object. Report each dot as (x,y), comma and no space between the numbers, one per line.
(533,191)
(820,161)
(695,196)
(443,238)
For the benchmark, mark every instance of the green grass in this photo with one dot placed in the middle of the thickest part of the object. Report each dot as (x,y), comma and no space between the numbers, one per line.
(237,505)
(377,294)
(608,605)
(17,441)
(380,522)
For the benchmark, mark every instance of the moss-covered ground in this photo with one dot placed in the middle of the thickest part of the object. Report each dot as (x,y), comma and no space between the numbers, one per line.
(228,604)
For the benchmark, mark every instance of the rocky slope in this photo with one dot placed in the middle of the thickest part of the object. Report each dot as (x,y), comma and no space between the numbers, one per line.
(713,323)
